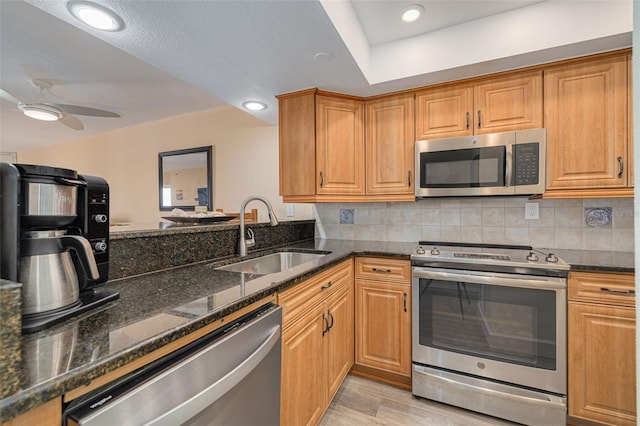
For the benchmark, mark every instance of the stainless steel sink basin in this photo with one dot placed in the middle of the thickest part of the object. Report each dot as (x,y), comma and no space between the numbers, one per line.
(272,263)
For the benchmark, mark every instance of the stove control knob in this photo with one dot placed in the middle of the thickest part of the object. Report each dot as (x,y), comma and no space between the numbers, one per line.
(532,257)
(420,250)
(552,258)
(435,251)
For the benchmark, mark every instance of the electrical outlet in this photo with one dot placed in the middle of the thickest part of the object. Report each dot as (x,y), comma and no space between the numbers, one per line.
(531,211)
(290,212)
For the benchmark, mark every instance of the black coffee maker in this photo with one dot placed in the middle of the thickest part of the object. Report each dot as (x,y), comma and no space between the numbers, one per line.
(54,239)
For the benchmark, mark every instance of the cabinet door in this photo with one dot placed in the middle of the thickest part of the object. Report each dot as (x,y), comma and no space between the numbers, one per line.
(630,122)
(444,112)
(389,145)
(586,121)
(339,339)
(339,146)
(508,103)
(303,381)
(383,326)
(297,144)
(602,367)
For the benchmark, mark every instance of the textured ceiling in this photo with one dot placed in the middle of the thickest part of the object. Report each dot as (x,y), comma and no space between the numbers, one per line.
(175,57)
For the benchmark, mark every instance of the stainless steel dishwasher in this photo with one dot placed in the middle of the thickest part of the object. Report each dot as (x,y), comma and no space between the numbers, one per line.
(229,377)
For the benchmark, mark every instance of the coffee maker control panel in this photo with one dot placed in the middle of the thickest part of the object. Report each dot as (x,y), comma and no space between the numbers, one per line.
(93,214)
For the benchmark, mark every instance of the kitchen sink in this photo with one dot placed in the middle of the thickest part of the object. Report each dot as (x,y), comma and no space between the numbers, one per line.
(272,263)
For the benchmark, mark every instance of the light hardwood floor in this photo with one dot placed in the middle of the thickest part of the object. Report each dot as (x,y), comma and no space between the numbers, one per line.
(363,401)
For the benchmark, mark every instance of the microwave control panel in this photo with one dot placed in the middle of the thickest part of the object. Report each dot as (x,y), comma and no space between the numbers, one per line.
(526,163)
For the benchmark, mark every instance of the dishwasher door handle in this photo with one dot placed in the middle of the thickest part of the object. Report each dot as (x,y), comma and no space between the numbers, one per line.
(183,412)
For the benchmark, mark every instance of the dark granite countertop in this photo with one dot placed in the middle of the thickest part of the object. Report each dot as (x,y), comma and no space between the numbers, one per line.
(157,308)
(153,310)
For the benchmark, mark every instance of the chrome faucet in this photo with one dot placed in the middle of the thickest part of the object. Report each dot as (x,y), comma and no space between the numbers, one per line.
(244,242)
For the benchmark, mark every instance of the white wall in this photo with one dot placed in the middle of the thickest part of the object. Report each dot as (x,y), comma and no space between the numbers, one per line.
(245,161)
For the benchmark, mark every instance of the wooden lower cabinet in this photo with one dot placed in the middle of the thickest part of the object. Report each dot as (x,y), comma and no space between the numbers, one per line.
(383,319)
(317,343)
(48,414)
(601,361)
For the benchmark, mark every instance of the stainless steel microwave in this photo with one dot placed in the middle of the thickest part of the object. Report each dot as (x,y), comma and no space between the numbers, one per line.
(509,163)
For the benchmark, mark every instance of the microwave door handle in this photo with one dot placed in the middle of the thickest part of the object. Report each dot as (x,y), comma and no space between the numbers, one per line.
(508,174)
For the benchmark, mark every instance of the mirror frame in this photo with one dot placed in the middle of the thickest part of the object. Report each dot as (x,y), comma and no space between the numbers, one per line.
(204,149)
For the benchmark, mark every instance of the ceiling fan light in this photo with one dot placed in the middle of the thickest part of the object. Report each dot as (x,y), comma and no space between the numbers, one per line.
(412,13)
(43,114)
(96,16)
(254,105)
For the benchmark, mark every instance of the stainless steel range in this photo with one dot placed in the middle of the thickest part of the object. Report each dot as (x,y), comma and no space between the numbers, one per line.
(489,330)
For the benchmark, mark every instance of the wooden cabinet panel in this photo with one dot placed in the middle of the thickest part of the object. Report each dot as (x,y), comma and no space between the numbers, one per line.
(444,112)
(380,268)
(389,145)
(317,343)
(303,378)
(48,414)
(339,339)
(339,146)
(297,144)
(383,318)
(630,136)
(610,289)
(602,364)
(384,326)
(586,121)
(508,103)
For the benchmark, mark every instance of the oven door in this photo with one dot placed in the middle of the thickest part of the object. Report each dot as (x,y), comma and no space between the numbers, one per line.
(505,327)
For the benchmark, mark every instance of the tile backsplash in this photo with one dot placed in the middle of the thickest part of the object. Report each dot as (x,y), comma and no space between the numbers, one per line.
(590,224)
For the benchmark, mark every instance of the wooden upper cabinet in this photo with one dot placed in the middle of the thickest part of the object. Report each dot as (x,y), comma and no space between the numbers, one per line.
(586,119)
(339,146)
(444,112)
(389,145)
(508,103)
(630,121)
(297,144)
(499,104)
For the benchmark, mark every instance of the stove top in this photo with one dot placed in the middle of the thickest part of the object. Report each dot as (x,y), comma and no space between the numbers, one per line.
(489,257)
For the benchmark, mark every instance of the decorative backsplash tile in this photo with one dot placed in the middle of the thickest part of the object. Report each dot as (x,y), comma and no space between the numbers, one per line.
(590,224)
(346,216)
(597,217)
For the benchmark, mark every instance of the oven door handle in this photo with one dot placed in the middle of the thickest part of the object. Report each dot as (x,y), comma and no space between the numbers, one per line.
(506,280)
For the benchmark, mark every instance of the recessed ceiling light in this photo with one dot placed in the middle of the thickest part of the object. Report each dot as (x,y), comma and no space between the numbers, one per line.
(412,13)
(254,105)
(95,15)
(41,112)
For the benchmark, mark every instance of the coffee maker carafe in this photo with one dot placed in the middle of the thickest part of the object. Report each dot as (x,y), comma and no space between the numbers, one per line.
(43,234)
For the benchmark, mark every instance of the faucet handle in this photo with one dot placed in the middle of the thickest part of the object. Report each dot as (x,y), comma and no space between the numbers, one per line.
(250,238)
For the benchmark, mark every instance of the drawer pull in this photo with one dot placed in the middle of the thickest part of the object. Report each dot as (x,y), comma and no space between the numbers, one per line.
(330,325)
(617,291)
(404,297)
(324,287)
(620,167)
(384,271)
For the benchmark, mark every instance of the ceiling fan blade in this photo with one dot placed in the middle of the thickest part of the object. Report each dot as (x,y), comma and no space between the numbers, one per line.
(71,121)
(81,110)
(8,96)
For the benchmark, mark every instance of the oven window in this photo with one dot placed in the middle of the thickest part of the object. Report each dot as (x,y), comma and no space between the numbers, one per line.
(510,324)
(463,168)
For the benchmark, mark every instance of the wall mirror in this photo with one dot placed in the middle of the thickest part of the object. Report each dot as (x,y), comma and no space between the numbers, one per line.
(186,178)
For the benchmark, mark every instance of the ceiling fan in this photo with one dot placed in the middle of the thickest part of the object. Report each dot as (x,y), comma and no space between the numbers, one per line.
(41,109)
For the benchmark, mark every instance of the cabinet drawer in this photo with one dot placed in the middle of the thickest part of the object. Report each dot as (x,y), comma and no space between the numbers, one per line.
(377,268)
(305,295)
(608,288)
